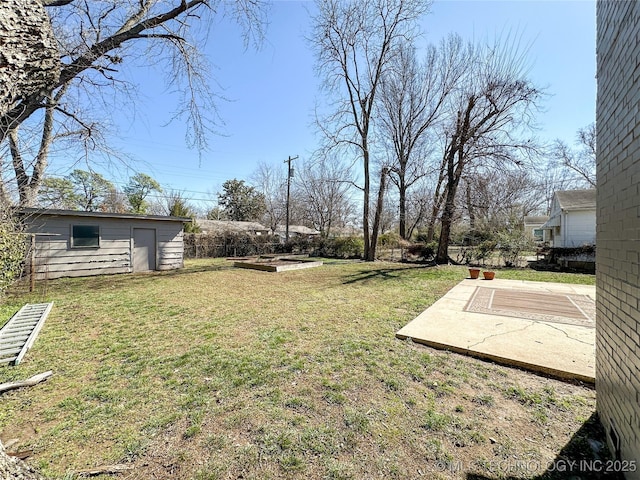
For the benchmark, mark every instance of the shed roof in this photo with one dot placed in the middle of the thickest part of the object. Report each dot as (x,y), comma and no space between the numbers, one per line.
(79,213)
(577,199)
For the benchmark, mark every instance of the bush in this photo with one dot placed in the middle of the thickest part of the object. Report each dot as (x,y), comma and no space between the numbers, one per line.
(339,247)
(349,247)
(511,246)
(297,245)
(13,250)
(484,250)
(423,251)
(389,240)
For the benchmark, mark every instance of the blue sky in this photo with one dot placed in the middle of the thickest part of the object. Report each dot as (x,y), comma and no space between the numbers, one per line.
(272,92)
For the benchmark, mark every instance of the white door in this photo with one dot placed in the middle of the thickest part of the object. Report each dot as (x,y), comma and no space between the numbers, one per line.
(144,249)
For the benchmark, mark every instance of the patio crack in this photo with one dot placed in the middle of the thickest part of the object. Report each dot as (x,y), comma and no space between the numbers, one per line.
(500,334)
(532,322)
(567,335)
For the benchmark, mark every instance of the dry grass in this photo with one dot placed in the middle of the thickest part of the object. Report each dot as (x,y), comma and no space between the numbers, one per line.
(214,373)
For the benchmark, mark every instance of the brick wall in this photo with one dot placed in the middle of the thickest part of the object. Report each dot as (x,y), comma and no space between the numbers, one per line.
(618,225)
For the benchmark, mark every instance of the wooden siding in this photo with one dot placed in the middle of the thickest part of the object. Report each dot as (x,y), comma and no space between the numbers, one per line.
(54,256)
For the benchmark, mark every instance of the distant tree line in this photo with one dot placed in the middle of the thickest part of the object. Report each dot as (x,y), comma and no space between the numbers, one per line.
(434,145)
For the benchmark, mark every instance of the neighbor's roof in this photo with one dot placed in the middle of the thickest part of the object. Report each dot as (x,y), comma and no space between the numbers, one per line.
(577,199)
(299,229)
(230,226)
(39,212)
(533,220)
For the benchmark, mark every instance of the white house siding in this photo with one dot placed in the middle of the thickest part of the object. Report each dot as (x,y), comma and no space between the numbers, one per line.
(618,216)
(570,227)
(578,228)
(54,256)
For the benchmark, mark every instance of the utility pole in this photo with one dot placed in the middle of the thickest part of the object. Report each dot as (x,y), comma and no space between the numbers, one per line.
(289,175)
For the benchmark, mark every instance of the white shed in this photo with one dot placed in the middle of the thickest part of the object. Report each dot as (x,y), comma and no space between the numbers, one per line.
(572,222)
(71,243)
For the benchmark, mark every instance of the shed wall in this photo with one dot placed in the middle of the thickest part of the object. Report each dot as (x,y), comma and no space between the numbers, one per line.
(55,257)
(618,227)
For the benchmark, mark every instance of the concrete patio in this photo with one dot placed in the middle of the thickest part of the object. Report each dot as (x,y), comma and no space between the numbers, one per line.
(543,327)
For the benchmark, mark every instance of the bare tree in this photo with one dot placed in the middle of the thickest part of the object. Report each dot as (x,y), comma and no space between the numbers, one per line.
(412,98)
(496,197)
(323,195)
(94,40)
(272,183)
(419,205)
(494,102)
(355,42)
(581,160)
(550,177)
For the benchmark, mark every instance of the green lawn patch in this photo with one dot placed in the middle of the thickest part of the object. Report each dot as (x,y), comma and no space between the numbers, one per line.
(214,372)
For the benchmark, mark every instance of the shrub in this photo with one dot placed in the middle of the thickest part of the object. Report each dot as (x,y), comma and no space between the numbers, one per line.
(339,247)
(423,251)
(511,246)
(13,250)
(484,250)
(297,245)
(389,240)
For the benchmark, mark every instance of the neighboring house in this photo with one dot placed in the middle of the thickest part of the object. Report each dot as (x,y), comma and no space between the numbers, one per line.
(299,231)
(71,243)
(213,227)
(533,227)
(618,252)
(572,222)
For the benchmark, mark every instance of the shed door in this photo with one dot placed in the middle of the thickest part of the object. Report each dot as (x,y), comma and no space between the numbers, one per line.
(144,249)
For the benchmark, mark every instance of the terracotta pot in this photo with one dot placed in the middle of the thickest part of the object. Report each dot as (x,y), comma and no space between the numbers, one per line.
(489,275)
(474,273)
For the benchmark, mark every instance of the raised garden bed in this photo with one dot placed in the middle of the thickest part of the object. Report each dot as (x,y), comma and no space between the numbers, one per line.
(275,264)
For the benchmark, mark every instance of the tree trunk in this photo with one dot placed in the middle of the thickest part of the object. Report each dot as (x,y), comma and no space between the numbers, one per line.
(453,176)
(365,210)
(30,58)
(470,210)
(442,256)
(378,216)
(435,212)
(402,187)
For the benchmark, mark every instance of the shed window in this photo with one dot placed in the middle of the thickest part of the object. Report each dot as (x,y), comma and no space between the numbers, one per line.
(85,236)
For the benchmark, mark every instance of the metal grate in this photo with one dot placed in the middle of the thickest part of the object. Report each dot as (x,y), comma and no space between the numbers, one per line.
(19,333)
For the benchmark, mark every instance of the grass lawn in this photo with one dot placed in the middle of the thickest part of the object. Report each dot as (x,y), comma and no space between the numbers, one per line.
(213,372)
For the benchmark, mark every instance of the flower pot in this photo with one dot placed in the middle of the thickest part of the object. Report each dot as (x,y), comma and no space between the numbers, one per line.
(489,275)
(474,273)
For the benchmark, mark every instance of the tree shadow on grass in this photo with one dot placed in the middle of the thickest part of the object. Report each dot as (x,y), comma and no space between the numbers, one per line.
(376,274)
(585,456)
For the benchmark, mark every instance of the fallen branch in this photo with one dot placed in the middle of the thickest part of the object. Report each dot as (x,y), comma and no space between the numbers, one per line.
(23,455)
(29,382)
(107,469)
